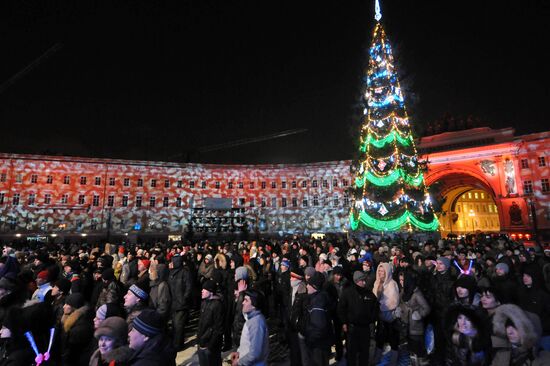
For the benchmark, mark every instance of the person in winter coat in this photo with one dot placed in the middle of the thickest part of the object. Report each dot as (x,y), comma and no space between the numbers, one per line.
(295,322)
(135,301)
(159,294)
(317,336)
(210,328)
(242,280)
(148,343)
(465,291)
(413,310)
(112,336)
(206,268)
(334,288)
(387,292)
(254,344)
(71,271)
(111,291)
(59,293)
(517,338)
(505,283)
(180,284)
(76,331)
(357,310)
(467,337)
(534,298)
(222,276)
(106,311)
(440,297)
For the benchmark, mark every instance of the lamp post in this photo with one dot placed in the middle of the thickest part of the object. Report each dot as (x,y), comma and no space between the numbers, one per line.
(472,214)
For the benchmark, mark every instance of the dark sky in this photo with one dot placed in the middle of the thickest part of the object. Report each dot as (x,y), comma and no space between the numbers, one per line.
(150,79)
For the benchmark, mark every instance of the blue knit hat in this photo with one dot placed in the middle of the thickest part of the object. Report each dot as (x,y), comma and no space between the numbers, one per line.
(148,323)
(139,292)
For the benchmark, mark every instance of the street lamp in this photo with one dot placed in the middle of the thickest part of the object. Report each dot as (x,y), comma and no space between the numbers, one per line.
(472,214)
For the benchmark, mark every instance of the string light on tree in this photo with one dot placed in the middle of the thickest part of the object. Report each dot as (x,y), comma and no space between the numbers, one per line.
(389,188)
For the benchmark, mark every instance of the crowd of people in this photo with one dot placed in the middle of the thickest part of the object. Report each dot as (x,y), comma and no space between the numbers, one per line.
(469,301)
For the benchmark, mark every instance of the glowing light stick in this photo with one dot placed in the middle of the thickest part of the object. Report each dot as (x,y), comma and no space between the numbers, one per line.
(467,272)
(47,354)
(39,357)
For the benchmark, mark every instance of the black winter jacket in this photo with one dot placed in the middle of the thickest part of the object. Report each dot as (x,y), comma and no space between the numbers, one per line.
(357,306)
(210,329)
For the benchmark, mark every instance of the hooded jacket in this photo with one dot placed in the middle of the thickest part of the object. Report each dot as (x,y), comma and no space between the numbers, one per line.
(389,297)
(535,298)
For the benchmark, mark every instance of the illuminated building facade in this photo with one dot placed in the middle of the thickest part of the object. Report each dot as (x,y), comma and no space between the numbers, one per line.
(68,196)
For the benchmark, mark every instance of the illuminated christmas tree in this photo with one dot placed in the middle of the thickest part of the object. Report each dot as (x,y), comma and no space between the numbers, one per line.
(389,188)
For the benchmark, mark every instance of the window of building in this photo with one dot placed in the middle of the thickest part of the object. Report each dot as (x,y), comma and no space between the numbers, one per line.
(491,208)
(325,183)
(542,161)
(458,208)
(335,182)
(152,201)
(97,181)
(81,199)
(179,184)
(304,184)
(346,200)
(3,177)
(252,202)
(191,184)
(545,185)
(124,201)
(217,185)
(476,195)
(229,185)
(344,183)
(203,184)
(19,178)
(283,202)
(263,185)
(273,185)
(34,178)
(31,199)
(165,202)
(178,201)
(283,185)
(304,202)
(16,198)
(251,185)
(314,183)
(335,201)
(126,182)
(2,197)
(47,198)
(482,195)
(167,183)
(264,203)
(241,185)
(111,200)
(13,223)
(95,200)
(65,199)
(273,202)
(139,199)
(294,184)
(527,187)
(470,195)
(153,183)
(524,163)
(66,179)
(242,201)
(112,181)
(315,200)
(139,182)
(294,202)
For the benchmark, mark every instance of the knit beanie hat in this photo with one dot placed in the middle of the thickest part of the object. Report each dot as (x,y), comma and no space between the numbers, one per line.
(148,323)
(241,273)
(114,327)
(76,300)
(146,262)
(209,257)
(43,275)
(503,267)
(108,310)
(285,262)
(359,275)
(446,261)
(139,292)
(309,271)
(210,285)
(108,274)
(64,285)
(317,280)
(256,298)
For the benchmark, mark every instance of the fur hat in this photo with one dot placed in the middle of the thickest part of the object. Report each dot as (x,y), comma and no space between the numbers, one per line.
(114,327)
(43,275)
(108,274)
(309,271)
(241,273)
(503,267)
(482,340)
(210,286)
(526,328)
(64,285)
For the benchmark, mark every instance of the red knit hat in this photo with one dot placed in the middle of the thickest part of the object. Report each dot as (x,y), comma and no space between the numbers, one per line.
(146,262)
(43,275)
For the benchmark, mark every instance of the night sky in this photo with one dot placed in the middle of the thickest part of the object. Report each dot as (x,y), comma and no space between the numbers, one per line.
(159,80)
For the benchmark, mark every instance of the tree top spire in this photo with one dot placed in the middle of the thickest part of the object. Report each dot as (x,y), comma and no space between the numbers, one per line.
(378,13)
